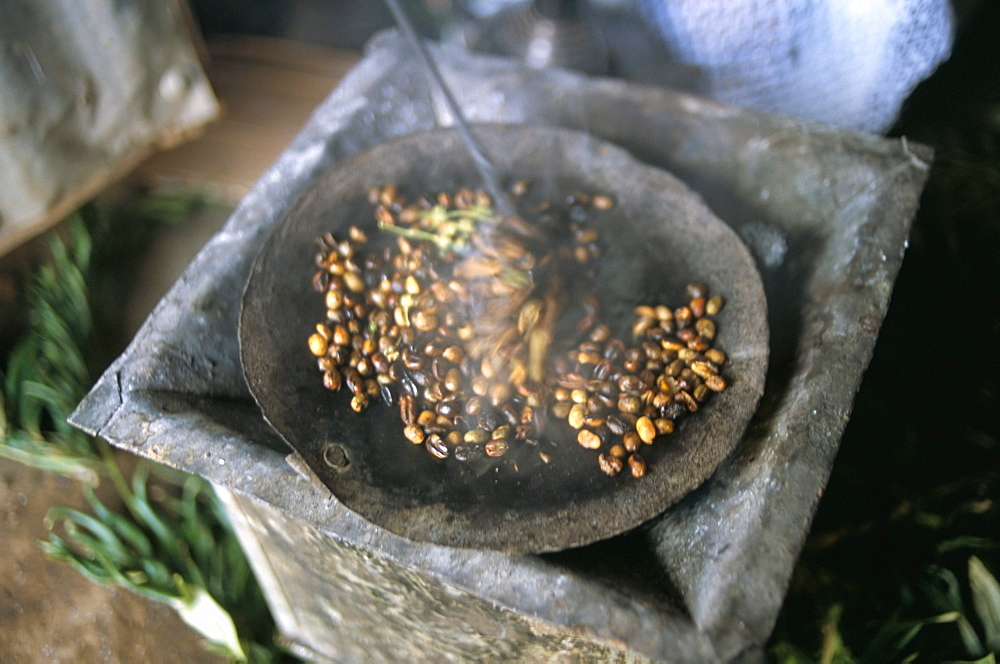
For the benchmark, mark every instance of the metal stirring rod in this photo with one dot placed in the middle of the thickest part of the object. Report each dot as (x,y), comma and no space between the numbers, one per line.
(485,167)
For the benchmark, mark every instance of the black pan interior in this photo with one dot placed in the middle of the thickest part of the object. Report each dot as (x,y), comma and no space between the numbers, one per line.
(658,237)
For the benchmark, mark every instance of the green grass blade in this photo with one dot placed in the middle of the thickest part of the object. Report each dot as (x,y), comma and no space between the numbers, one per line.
(80,242)
(40,454)
(140,505)
(967,542)
(91,533)
(57,549)
(159,575)
(888,643)
(124,528)
(21,366)
(47,397)
(986,600)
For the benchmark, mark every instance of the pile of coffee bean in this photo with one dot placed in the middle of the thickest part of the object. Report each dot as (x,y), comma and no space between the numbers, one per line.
(458,317)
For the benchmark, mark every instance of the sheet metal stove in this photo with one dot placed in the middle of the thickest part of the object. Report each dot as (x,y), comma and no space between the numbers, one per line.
(826,213)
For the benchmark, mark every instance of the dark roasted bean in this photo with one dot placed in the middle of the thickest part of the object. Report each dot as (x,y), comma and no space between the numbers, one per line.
(434,347)
(412,360)
(610,465)
(697,306)
(602,369)
(632,366)
(468,452)
(637,465)
(496,448)
(409,386)
(343,350)
(321,281)
(699,344)
(359,402)
(629,383)
(355,383)
(683,317)
(673,411)
(448,408)
(684,398)
(696,289)
(648,378)
(380,363)
(656,334)
(434,391)
(615,350)
(510,414)
(617,424)
(686,335)
(642,324)
(629,402)
(420,378)
(436,446)
(332,380)
(474,405)
(489,419)
(595,405)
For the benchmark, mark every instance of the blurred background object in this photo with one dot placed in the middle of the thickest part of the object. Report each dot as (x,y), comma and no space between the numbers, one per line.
(548,33)
(84,97)
(842,62)
(847,63)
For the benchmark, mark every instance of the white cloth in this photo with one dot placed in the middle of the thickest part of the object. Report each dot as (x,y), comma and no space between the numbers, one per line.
(849,63)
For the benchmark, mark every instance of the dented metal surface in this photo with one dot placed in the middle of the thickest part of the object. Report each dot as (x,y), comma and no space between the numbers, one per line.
(826,213)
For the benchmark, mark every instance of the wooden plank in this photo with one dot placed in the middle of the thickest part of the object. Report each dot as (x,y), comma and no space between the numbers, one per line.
(269,88)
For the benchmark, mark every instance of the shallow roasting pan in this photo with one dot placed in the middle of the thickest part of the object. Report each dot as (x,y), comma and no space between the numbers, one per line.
(658,237)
